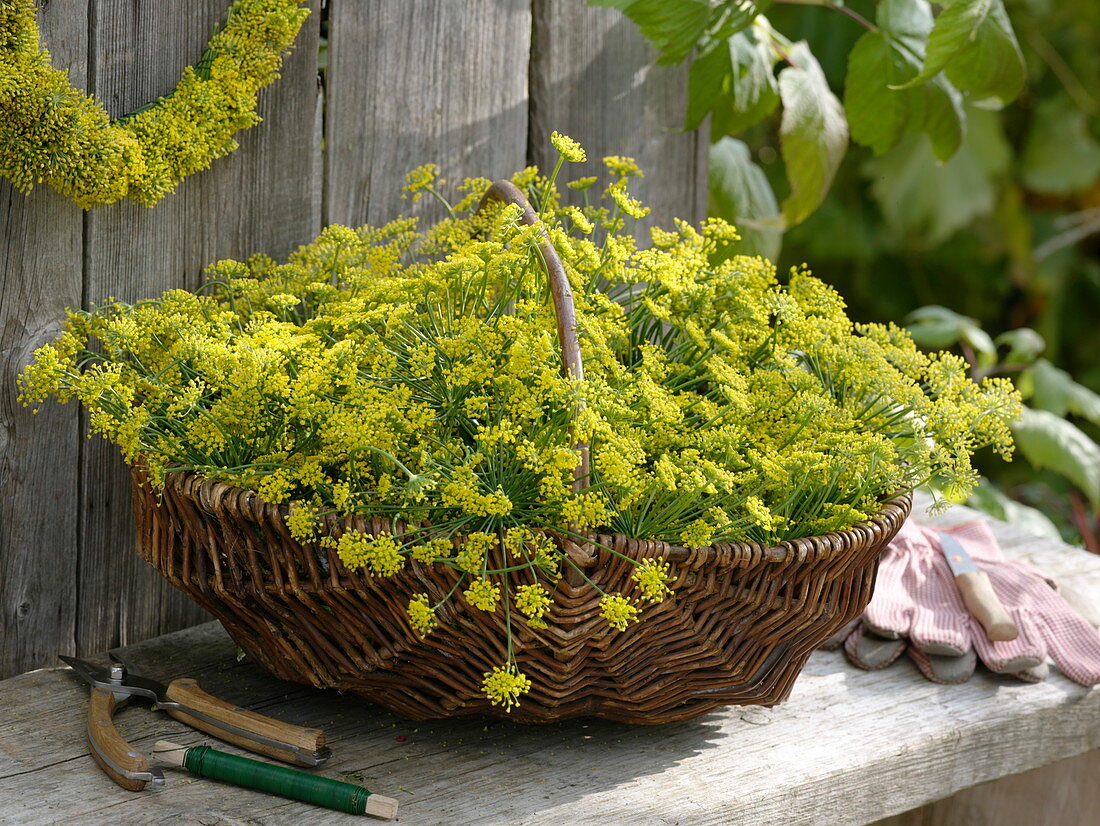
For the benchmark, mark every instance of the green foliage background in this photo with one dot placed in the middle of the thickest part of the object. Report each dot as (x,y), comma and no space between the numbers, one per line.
(1005,232)
(972,191)
(986,233)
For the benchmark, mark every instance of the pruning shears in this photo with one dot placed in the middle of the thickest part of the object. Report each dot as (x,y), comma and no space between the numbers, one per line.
(112,688)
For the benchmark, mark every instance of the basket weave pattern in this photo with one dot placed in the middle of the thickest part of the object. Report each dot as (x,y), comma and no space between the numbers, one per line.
(738,629)
(742,620)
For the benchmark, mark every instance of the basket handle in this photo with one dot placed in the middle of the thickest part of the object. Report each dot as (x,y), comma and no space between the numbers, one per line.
(508,193)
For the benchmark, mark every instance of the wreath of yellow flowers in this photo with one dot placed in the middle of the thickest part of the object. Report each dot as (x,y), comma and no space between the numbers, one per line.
(53,133)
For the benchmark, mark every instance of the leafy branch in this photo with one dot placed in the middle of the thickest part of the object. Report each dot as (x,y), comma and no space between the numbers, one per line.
(1045,435)
(911,72)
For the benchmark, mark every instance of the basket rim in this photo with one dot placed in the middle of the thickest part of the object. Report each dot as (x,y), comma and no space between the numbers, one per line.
(690,657)
(222,499)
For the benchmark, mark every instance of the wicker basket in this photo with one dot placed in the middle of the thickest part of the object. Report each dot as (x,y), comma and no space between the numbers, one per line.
(738,629)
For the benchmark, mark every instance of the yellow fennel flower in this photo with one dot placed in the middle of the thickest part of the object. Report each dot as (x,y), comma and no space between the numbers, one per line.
(652,578)
(618,611)
(57,134)
(631,206)
(381,554)
(483,595)
(532,600)
(302,522)
(569,148)
(418,180)
(421,614)
(622,165)
(504,685)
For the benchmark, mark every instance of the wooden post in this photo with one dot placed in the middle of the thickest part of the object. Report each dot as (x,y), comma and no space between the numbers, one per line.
(258,199)
(593,78)
(421,81)
(40,274)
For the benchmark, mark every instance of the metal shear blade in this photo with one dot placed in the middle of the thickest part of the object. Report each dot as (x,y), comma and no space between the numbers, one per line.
(118,679)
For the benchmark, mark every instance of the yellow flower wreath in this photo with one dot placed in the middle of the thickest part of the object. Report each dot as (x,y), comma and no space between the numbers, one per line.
(53,133)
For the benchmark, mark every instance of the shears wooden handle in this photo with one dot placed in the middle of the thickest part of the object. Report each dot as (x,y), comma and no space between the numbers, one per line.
(122,763)
(189,704)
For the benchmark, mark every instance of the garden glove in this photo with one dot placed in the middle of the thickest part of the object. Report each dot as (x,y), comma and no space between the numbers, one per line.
(917,609)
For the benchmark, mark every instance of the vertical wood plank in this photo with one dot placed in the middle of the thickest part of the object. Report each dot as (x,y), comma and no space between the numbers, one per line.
(593,78)
(40,260)
(258,199)
(419,81)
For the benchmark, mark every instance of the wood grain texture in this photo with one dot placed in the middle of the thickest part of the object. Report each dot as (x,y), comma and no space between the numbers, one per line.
(593,78)
(1062,794)
(849,747)
(110,750)
(258,199)
(40,253)
(188,693)
(418,81)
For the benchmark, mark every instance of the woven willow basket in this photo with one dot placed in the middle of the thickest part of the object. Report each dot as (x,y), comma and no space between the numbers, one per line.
(742,620)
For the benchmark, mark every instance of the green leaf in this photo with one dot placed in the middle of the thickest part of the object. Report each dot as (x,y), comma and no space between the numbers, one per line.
(937,327)
(937,110)
(740,194)
(753,92)
(985,351)
(989,499)
(908,20)
(1049,441)
(813,134)
(879,113)
(1048,387)
(930,201)
(973,41)
(1024,345)
(1061,157)
(735,15)
(940,114)
(1084,402)
(956,25)
(672,26)
(991,68)
(1053,389)
(706,77)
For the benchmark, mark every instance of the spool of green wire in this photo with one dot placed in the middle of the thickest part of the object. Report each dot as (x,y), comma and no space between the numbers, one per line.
(253,774)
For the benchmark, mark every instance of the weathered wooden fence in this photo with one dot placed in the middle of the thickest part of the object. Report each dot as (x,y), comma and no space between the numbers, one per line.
(473,85)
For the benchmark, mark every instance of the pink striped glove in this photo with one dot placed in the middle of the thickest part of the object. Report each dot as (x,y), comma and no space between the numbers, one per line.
(917,609)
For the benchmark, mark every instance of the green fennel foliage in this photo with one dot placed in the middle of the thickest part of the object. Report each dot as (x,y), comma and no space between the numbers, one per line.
(415,378)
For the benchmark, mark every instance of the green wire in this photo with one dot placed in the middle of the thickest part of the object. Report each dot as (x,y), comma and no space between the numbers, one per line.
(321,791)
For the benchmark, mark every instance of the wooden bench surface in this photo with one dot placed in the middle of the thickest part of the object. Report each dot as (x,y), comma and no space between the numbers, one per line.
(849,747)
